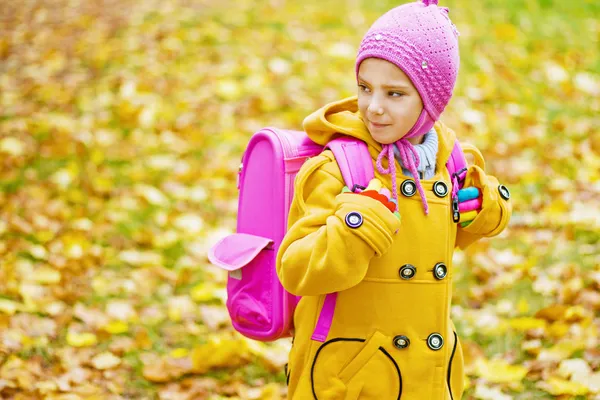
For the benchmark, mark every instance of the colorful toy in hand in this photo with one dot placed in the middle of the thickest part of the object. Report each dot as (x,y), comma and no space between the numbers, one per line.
(377,191)
(469,204)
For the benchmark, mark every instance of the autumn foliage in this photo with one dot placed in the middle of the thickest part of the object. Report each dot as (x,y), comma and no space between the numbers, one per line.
(122,124)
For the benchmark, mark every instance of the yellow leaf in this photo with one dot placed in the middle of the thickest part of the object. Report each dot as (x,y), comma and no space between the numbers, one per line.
(46,275)
(575,314)
(558,329)
(81,339)
(100,285)
(499,371)
(532,346)
(270,392)
(558,386)
(218,353)
(552,313)
(38,252)
(179,352)
(228,90)
(152,195)
(12,146)
(9,307)
(526,323)
(505,32)
(576,367)
(523,306)
(75,246)
(561,351)
(116,327)
(46,387)
(191,224)
(141,258)
(156,372)
(106,360)
(62,178)
(180,307)
(203,292)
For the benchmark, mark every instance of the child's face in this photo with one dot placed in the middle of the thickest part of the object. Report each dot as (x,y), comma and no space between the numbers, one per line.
(387,99)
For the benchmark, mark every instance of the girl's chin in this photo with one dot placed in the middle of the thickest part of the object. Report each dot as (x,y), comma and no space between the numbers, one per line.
(384,138)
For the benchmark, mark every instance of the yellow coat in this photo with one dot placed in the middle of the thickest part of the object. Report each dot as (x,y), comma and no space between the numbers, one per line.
(377,347)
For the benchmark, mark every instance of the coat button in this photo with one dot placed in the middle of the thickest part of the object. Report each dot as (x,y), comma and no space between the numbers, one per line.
(440,189)
(435,341)
(407,271)
(408,188)
(440,271)
(504,192)
(354,219)
(401,342)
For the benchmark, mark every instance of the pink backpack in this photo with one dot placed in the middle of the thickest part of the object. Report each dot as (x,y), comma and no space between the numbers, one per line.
(259,307)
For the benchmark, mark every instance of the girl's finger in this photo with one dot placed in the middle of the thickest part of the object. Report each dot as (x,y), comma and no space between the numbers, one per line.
(469,193)
(469,205)
(385,192)
(468,216)
(375,185)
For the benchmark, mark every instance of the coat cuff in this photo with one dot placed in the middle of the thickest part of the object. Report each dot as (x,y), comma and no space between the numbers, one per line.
(496,206)
(368,219)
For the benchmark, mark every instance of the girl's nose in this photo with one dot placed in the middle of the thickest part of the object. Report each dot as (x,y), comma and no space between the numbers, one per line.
(375,108)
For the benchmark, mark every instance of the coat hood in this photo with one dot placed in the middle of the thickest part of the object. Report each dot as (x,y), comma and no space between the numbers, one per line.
(343,117)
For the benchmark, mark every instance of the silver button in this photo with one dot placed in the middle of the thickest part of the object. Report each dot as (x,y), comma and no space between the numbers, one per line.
(440,271)
(378,37)
(408,188)
(440,189)
(435,341)
(407,271)
(504,192)
(424,65)
(354,219)
(401,342)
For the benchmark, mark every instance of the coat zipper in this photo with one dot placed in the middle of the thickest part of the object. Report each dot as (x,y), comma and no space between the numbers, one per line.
(450,365)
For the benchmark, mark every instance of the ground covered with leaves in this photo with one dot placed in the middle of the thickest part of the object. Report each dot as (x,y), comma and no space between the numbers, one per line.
(122,124)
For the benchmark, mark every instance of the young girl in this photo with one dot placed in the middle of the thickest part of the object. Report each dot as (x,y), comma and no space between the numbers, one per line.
(374,272)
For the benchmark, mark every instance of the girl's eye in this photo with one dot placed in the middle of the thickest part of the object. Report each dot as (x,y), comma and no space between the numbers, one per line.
(363,88)
(396,94)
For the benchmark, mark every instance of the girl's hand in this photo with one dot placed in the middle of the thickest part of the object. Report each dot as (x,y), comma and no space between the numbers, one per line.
(469,204)
(375,190)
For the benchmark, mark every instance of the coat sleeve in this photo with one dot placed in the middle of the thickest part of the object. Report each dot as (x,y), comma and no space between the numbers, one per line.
(321,253)
(495,211)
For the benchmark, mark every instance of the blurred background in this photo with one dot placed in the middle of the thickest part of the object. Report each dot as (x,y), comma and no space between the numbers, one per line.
(122,124)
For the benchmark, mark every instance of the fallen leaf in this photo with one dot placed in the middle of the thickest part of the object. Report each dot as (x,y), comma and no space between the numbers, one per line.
(106,360)
(499,371)
(81,339)
(526,323)
(558,386)
(219,352)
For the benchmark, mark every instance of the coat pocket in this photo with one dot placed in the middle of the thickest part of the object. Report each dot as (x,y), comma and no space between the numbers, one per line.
(456,382)
(352,368)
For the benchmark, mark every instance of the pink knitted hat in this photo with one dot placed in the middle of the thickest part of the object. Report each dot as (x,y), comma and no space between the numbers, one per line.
(420,39)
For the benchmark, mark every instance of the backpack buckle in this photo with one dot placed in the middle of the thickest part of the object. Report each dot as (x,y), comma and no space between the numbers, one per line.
(357,186)
(458,174)
(455,211)
(239,175)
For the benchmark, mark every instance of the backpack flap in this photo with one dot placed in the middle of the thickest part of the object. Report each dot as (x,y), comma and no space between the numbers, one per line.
(237,250)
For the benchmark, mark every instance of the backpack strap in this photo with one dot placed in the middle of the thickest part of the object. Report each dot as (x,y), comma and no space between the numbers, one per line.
(353,158)
(457,168)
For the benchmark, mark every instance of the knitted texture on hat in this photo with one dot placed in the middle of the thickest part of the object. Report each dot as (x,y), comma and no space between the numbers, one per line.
(420,39)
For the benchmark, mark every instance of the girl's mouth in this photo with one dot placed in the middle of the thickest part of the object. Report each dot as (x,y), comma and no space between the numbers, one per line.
(376,125)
